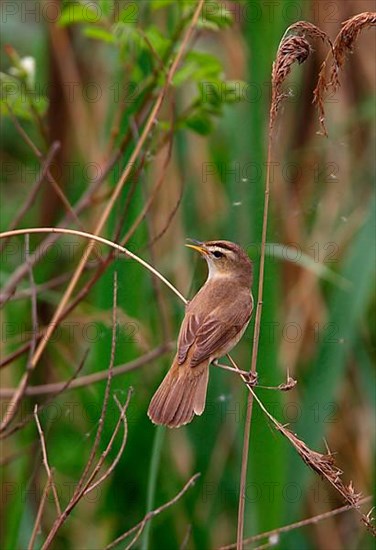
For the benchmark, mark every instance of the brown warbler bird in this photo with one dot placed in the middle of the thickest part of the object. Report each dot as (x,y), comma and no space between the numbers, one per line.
(215,320)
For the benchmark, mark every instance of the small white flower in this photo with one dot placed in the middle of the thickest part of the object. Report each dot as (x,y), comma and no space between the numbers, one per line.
(28,69)
(273,539)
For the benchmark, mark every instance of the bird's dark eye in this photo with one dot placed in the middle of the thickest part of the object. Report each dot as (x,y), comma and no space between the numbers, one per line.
(217,254)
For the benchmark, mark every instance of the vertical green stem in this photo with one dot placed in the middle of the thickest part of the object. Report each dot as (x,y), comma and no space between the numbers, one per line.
(152,481)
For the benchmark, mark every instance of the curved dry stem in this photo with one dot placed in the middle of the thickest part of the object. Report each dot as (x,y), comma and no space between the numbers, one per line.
(140,526)
(12,407)
(98,239)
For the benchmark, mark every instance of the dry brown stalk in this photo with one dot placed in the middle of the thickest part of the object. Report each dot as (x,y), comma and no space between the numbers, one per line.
(153,193)
(296,525)
(45,461)
(106,392)
(47,172)
(86,482)
(33,297)
(63,386)
(322,464)
(57,388)
(45,164)
(79,493)
(141,525)
(84,202)
(19,393)
(110,469)
(39,515)
(294,47)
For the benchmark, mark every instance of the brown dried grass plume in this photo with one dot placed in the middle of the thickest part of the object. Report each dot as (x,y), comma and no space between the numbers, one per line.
(294,47)
(342,46)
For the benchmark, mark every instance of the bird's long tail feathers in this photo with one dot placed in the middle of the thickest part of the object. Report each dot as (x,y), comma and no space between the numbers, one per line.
(181,395)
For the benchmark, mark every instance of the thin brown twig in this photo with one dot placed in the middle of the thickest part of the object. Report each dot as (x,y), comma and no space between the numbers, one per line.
(49,285)
(296,525)
(85,480)
(61,387)
(59,192)
(106,392)
(93,378)
(18,395)
(35,188)
(110,469)
(168,221)
(144,215)
(152,195)
(45,461)
(256,336)
(33,296)
(39,515)
(323,464)
(84,202)
(140,526)
(78,494)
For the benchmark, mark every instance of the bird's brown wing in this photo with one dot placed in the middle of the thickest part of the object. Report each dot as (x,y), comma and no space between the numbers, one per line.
(187,336)
(212,333)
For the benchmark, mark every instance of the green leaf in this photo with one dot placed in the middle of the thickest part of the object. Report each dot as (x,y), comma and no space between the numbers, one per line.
(198,66)
(106,7)
(160,4)
(130,14)
(296,256)
(99,34)
(211,93)
(208,65)
(13,92)
(157,40)
(233,91)
(215,16)
(199,123)
(79,13)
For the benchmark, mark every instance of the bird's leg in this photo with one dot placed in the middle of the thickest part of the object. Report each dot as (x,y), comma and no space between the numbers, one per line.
(232,369)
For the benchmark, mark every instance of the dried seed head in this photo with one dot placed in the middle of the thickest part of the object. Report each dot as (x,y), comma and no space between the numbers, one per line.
(325,466)
(346,39)
(343,45)
(294,47)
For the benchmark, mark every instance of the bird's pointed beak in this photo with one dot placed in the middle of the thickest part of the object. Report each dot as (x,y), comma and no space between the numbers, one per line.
(197,245)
